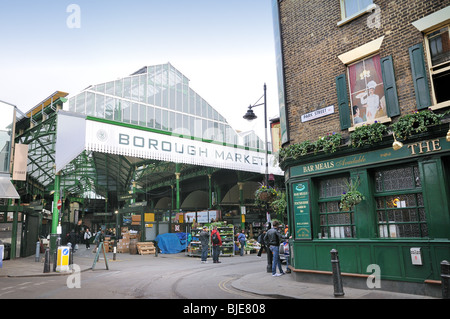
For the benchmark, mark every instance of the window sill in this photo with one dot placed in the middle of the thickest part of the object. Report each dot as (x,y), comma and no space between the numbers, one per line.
(383,120)
(440,105)
(370,8)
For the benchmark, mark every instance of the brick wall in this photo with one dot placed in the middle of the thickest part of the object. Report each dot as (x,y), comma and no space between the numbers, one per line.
(312,42)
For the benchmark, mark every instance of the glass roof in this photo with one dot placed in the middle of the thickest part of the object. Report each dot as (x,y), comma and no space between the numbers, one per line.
(158,97)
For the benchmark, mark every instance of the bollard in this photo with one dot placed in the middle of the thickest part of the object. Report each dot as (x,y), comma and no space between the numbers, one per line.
(47,261)
(445,276)
(337,279)
(38,249)
(114,252)
(55,254)
(70,258)
(269,260)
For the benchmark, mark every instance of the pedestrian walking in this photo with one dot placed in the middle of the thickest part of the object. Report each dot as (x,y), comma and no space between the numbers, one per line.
(204,240)
(273,240)
(216,244)
(242,241)
(73,239)
(87,238)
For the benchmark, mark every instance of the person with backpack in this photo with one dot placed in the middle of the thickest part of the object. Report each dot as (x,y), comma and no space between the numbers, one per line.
(216,244)
(242,240)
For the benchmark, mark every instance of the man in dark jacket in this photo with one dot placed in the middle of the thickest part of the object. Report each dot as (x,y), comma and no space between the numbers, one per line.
(273,239)
(204,240)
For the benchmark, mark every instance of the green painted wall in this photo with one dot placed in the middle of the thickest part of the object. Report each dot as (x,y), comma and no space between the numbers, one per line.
(391,254)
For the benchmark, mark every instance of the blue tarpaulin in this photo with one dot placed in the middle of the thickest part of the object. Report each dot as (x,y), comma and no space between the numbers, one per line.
(171,243)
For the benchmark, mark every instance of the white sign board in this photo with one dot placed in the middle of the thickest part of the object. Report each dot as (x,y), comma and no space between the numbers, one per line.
(318,113)
(416,256)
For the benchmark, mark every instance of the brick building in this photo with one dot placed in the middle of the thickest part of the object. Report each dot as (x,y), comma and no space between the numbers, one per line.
(349,70)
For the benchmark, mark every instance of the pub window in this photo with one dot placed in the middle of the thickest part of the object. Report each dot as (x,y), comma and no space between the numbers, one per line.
(399,203)
(334,223)
(438,43)
(352,8)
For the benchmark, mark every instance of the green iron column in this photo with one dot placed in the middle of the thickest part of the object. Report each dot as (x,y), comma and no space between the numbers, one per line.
(241,203)
(209,192)
(177,176)
(55,213)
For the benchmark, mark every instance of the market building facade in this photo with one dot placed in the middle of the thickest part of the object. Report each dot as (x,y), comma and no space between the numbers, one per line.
(364,110)
(144,152)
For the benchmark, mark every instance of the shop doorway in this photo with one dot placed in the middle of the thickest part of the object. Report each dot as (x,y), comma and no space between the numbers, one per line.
(30,233)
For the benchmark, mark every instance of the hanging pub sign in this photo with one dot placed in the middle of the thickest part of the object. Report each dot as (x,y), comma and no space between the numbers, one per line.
(301,207)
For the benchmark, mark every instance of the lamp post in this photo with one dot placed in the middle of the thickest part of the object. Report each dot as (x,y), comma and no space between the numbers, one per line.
(250,115)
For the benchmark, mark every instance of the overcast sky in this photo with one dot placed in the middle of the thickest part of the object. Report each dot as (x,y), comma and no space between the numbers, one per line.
(225,47)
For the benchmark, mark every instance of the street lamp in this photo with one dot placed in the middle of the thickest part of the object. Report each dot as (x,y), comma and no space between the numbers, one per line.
(250,115)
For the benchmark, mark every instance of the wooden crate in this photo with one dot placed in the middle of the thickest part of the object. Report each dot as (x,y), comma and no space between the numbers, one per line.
(145,248)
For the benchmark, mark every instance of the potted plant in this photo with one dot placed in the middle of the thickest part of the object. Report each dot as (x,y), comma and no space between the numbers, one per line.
(328,143)
(279,205)
(351,197)
(368,134)
(415,123)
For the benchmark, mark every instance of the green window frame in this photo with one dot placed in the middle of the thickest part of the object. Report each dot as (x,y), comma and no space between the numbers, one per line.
(399,200)
(334,223)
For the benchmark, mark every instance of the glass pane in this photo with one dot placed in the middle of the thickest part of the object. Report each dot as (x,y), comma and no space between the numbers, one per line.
(127,88)
(396,179)
(118,88)
(109,108)
(135,88)
(142,115)
(165,87)
(172,121)
(110,88)
(126,111)
(351,7)
(142,88)
(333,187)
(439,43)
(100,88)
(100,106)
(135,113)
(81,106)
(150,116)
(90,103)
(72,104)
(157,118)
(165,120)
(355,6)
(118,110)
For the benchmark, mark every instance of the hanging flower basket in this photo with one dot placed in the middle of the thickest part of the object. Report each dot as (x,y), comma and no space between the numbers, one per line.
(265,195)
(352,197)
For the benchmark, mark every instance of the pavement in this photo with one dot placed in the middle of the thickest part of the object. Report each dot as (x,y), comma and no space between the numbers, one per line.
(280,287)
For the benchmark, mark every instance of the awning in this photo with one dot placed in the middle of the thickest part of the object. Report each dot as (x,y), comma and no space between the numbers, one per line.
(7,189)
